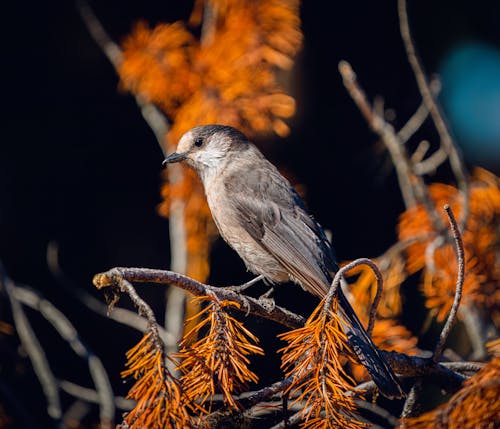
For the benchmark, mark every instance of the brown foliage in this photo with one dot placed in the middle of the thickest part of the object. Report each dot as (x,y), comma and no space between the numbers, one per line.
(314,357)
(481,242)
(160,400)
(217,361)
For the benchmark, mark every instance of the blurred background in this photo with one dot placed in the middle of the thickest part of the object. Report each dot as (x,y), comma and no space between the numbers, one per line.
(79,168)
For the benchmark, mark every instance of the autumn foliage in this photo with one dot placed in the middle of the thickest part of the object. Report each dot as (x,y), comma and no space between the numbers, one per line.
(481,242)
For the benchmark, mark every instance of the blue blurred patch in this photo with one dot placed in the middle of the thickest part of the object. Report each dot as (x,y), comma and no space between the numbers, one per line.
(470,76)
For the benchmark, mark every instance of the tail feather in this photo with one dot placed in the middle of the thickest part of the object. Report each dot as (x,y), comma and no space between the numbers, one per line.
(367,353)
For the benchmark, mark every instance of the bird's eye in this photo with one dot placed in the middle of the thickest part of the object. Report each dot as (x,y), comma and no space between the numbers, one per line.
(198,142)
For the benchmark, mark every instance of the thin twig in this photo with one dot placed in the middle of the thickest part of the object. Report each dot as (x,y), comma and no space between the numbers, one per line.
(151,114)
(384,130)
(420,152)
(411,402)
(35,352)
(412,187)
(91,396)
(459,247)
(67,332)
(464,366)
(476,328)
(430,164)
(376,300)
(413,124)
(428,99)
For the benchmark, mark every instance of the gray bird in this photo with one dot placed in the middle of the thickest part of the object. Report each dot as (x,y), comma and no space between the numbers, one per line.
(263,219)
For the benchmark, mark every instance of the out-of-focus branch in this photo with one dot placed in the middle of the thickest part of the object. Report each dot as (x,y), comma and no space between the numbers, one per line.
(384,130)
(413,124)
(120,315)
(411,402)
(412,186)
(459,248)
(91,396)
(35,352)
(451,150)
(66,330)
(152,115)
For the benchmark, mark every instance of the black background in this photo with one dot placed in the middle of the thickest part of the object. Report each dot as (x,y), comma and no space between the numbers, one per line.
(80,168)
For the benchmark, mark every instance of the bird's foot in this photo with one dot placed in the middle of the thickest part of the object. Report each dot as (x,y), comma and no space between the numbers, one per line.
(267,301)
(244,286)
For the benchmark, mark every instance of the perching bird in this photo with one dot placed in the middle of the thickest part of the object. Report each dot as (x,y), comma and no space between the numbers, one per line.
(262,218)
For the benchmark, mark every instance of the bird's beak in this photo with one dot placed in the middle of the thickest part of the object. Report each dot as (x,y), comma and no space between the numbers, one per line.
(174,157)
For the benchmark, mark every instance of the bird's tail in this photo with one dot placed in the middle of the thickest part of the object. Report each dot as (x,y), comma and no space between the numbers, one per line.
(367,353)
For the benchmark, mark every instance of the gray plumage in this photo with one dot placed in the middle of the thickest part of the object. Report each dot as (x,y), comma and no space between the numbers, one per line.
(263,219)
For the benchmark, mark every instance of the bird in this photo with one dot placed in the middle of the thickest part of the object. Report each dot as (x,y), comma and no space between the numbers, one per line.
(260,215)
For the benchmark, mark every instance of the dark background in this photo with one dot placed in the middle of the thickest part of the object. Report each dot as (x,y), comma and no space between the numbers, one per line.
(80,168)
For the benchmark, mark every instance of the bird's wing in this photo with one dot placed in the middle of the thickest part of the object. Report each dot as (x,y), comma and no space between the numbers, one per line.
(275,216)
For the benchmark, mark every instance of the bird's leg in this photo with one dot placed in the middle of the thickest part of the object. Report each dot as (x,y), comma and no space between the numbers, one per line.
(246,285)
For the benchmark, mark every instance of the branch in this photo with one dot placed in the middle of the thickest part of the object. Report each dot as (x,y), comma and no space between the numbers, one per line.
(249,305)
(68,333)
(91,396)
(413,124)
(409,366)
(412,186)
(411,403)
(35,352)
(151,114)
(454,155)
(384,130)
(459,246)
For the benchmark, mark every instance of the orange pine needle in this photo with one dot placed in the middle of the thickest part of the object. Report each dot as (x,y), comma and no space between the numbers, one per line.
(160,400)
(218,361)
(481,239)
(314,357)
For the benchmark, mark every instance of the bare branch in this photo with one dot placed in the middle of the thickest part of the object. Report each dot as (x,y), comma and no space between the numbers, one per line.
(411,402)
(459,246)
(412,186)
(453,153)
(151,114)
(99,34)
(336,282)
(413,124)
(67,331)
(247,303)
(384,130)
(91,396)
(35,352)
(464,366)
(430,164)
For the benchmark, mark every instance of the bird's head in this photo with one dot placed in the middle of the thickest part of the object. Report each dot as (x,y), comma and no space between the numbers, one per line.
(207,147)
